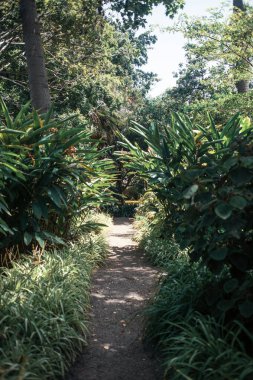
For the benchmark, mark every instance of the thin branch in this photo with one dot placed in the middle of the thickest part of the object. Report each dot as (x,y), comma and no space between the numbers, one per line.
(21,84)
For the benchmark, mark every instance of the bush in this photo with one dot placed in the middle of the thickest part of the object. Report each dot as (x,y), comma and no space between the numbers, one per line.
(44,309)
(120,210)
(201,317)
(221,108)
(192,344)
(160,250)
(205,349)
(49,171)
(203,177)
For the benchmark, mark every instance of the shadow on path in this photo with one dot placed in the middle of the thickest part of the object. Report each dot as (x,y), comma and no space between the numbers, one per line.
(119,292)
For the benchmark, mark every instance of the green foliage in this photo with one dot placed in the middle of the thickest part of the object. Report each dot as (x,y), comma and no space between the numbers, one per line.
(134,12)
(120,210)
(48,172)
(149,233)
(221,107)
(44,309)
(218,59)
(192,344)
(93,65)
(205,349)
(227,42)
(203,179)
(197,100)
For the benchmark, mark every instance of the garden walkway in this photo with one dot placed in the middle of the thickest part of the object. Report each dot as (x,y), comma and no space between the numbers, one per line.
(119,292)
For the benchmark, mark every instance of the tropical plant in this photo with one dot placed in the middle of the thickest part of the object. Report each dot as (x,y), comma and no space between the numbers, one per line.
(49,171)
(191,343)
(44,303)
(203,179)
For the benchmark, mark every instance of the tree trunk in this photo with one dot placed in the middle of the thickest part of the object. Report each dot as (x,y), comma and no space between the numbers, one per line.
(243,84)
(38,83)
(239,4)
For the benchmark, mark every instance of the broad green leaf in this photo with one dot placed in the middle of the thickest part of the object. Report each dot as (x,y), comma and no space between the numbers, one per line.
(230,285)
(27,238)
(246,309)
(219,254)
(6,113)
(241,176)
(40,239)
(225,305)
(54,196)
(247,162)
(53,238)
(245,124)
(5,227)
(223,211)
(240,261)
(189,193)
(37,210)
(232,161)
(213,127)
(238,202)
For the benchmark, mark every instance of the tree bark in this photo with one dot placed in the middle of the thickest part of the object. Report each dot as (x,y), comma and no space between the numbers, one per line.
(243,84)
(38,82)
(239,4)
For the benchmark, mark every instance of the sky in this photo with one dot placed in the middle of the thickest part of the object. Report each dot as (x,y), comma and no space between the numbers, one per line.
(168,51)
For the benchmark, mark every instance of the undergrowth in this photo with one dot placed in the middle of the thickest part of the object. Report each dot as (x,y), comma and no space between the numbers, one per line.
(44,303)
(193,343)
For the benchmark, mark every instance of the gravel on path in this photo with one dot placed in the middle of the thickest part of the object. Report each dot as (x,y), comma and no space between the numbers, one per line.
(120,290)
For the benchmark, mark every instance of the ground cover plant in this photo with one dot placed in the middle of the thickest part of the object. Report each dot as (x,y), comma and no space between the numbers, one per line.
(192,344)
(44,306)
(202,180)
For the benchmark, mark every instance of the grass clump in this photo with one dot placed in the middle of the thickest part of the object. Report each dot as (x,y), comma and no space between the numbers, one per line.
(44,304)
(159,250)
(205,349)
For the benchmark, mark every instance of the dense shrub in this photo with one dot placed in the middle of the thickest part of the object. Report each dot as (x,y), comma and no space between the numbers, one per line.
(44,303)
(203,178)
(160,250)
(205,349)
(118,210)
(192,344)
(49,171)
(222,107)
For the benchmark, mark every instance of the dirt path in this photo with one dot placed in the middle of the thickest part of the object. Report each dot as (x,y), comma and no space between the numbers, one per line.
(120,290)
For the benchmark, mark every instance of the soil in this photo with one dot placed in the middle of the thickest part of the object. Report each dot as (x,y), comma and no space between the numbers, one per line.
(120,291)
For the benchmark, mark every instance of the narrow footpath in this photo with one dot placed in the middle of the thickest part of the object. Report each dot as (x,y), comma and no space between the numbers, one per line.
(120,290)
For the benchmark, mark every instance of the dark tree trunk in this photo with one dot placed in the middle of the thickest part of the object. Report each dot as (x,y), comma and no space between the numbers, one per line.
(100,10)
(37,75)
(239,4)
(243,84)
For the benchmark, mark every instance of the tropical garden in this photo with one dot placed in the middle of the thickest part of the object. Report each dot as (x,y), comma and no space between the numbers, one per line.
(82,141)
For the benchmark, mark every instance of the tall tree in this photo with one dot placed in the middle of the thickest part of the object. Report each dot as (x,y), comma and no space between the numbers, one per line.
(226,44)
(39,89)
(243,84)
(92,60)
(134,12)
